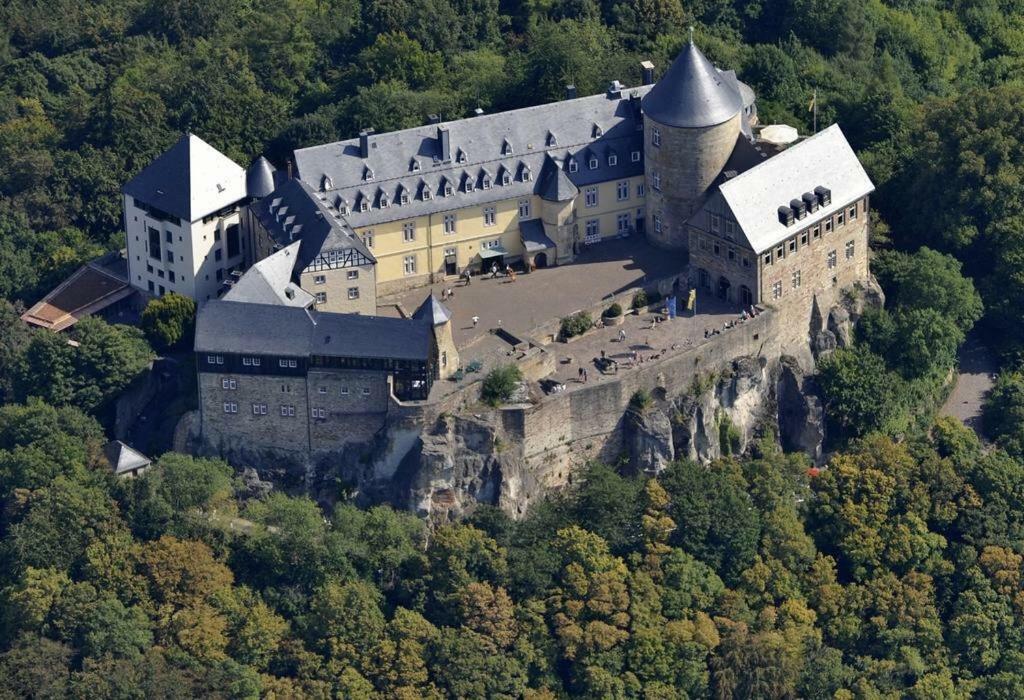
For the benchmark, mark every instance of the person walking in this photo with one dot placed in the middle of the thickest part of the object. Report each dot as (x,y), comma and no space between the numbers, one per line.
(476,320)
(494,270)
(579,375)
(585,376)
(622,336)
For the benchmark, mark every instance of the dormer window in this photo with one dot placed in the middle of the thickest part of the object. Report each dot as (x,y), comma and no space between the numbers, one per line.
(551,140)
(635,156)
(487,182)
(467,183)
(461,156)
(383,200)
(593,162)
(326,183)
(526,174)
(597,131)
(414,166)
(506,148)
(448,191)
(613,160)
(367,174)
(363,204)
(403,197)
(424,191)
(573,166)
(506,179)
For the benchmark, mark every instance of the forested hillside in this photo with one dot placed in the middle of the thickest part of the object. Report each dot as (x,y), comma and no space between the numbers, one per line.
(894,572)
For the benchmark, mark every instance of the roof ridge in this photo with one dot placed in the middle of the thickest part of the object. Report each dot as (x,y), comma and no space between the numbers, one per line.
(745,173)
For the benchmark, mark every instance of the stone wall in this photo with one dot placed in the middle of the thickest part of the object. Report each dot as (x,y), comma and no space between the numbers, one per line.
(222,429)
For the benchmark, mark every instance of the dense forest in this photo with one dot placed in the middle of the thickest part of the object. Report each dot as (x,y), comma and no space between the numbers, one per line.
(894,572)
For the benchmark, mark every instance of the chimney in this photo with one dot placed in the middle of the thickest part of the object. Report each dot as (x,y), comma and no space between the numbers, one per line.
(570,92)
(646,73)
(289,168)
(433,119)
(615,89)
(444,144)
(364,143)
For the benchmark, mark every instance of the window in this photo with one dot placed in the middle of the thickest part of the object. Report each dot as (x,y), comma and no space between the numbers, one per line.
(746,261)
(320,279)
(768,258)
(506,178)
(318,412)
(160,274)
(590,196)
(704,277)
(792,245)
(230,407)
(777,290)
(169,237)
(780,252)
(409,264)
(250,361)
(427,194)
(286,388)
(527,175)
(282,363)
(447,190)
(730,229)
(288,363)
(363,204)
(170,275)
(491,245)
(259,409)
(288,411)
(366,391)
(593,231)
(849,250)
(703,243)
(592,163)
(613,160)
(344,391)
(368,239)
(408,233)
(622,223)
(573,166)
(404,197)
(851,213)
(353,293)
(635,156)
(655,137)
(816,233)
(487,183)
(622,190)
(656,181)
(796,279)
(229,384)
(449,223)
(803,239)
(716,248)
(657,224)
(321,297)
(489,216)
(352,275)
(469,185)
(383,201)
(217,255)
(828,225)
(640,190)
(831,259)
(840,219)
(524,209)
(715,223)
(321,390)
(732,256)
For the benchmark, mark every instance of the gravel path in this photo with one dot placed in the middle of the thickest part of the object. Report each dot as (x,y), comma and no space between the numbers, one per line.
(977,366)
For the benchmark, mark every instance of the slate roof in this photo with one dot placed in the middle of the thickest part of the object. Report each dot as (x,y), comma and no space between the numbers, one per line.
(269,281)
(189,180)
(433,310)
(265,329)
(259,178)
(294,212)
(124,459)
(491,144)
(555,185)
(693,93)
(531,232)
(825,159)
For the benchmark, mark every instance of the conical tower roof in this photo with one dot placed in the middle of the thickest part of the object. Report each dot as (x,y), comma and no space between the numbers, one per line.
(555,185)
(692,93)
(259,178)
(433,310)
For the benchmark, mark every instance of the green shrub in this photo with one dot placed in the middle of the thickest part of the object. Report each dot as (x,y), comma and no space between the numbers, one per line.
(577,324)
(500,383)
(640,400)
(640,300)
(613,311)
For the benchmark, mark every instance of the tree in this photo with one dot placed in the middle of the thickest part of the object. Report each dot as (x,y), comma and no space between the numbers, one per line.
(500,384)
(35,667)
(1004,412)
(861,394)
(169,321)
(929,280)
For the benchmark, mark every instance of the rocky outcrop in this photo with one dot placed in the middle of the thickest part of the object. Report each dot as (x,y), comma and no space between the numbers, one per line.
(649,440)
(801,416)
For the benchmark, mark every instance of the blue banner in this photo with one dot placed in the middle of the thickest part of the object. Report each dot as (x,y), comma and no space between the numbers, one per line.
(671,303)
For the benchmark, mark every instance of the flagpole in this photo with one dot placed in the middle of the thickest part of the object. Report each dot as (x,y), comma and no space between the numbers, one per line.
(815,110)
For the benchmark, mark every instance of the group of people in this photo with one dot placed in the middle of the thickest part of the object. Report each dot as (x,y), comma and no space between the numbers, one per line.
(508,271)
(708,332)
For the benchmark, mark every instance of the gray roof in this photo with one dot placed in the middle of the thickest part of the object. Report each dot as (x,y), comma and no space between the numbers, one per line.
(189,180)
(555,185)
(433,310)
(124,459)
(269,281)
(533,236)
(825,159)
(259,178)
(265,329)
(491,144)
(693,93)
(294,212)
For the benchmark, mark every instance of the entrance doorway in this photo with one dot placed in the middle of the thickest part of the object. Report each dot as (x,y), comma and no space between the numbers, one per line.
(450,263)
(724,288)
(746,298)
(540,260)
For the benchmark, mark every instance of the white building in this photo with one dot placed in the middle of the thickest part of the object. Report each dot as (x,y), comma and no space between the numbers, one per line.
(181,221)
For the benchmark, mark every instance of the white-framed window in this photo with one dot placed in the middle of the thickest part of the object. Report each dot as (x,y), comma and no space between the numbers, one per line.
(656,181)
(506,149)
(780,252)
(251,361)
(768,258)
(851,213)
(491,244)
(321,390)
(803,239)
(366,391)
(776,290)
(527,175)
(828,225)
(592,163)
(409,265)
(657,224)
(321,297)
(593,231)
(344,391)
(796,279)
(384,201)
(524,209)
(409,232)
(449,223)
(214,359)
(840,219)
(622,223)
(353,293)
(230,407)
(448,189)
(470,186)
(622,190)
(282,363)
(352,275)
(368,239)
(229,384)
(792,245)
(831,259)
(641,190)
(715,222)
(404,197)
(590,196)
(506,179)
(426,193)
(363,204)
(849,250)
(815,233)
(259,409)
(655,137)
(635,156)
(573,166)
(613,160)
(487,182)
(320,279)
(288,411)
(318,412)
(730,229)
(490,216)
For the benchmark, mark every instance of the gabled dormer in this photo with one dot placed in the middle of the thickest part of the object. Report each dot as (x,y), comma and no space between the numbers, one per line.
(362,201)
(468,185)
(447,189)
(525,174)
(504,175)
(414,165)
(425,192)
(485,178)
(383,201)
(551,141)
(506,148)
(461,156)
(402,194)
(367,173)
(326,183)
(572,164)
(596,131)
(341,204)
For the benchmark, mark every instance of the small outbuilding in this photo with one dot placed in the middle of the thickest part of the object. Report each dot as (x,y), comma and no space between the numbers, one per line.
(125,461)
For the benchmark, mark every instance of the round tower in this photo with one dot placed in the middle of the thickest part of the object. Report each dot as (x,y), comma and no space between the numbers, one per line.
(692,118)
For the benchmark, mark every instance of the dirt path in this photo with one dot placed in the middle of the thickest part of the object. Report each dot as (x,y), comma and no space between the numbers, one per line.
(973,382)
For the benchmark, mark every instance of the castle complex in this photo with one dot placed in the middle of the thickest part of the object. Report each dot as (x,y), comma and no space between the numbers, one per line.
(285,265)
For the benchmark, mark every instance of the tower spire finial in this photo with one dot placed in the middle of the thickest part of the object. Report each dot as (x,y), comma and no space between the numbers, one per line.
(691,33)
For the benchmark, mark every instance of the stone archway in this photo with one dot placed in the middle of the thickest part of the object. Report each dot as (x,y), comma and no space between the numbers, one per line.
(540,260)
(724,288)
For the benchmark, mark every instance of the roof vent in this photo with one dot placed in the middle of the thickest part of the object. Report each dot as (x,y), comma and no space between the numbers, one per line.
(478,111)
(646,72)
(433,119)
(364,142)
(810,201)
(797,205)
(824,195)
(570,92)
(786,216)
(615,89)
